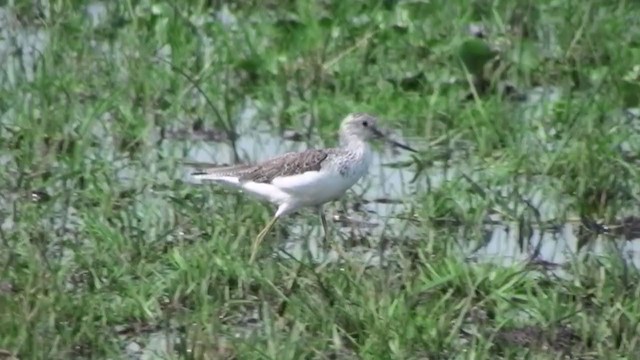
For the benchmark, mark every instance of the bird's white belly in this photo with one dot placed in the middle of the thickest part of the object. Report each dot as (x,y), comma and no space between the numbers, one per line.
(332,188)
(317,187)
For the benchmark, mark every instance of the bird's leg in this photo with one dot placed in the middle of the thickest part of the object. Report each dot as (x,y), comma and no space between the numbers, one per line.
(327,242)
(260,237)
(325,228)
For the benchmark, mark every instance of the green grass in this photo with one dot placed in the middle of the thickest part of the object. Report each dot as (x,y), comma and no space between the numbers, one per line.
(103,245)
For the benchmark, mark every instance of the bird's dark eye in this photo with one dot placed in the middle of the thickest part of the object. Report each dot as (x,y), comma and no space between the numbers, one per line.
(365,123)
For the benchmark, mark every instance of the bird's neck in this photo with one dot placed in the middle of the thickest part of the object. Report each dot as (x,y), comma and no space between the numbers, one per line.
(353,143)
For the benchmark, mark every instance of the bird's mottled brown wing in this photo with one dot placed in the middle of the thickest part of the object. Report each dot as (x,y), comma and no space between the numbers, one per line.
(233,170)
(287,164)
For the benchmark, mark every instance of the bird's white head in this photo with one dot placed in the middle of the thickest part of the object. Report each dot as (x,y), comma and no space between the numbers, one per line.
(360,125)
(364,127)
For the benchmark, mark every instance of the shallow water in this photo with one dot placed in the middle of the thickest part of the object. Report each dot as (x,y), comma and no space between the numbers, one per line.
(380,196)
(376,206)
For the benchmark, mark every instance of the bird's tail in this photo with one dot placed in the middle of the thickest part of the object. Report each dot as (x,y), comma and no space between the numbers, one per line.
(225,174)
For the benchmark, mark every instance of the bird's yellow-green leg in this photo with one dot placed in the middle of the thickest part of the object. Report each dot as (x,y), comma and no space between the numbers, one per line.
(325,228)
(260,237)
(327,241)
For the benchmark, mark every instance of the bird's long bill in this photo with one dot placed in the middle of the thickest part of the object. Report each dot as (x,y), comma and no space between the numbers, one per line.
(380,135)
